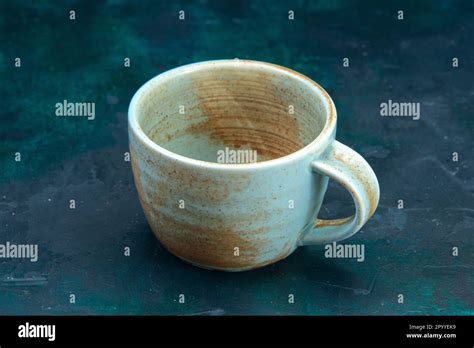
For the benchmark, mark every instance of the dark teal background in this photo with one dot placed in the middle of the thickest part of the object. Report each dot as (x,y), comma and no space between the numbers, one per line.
(81,251)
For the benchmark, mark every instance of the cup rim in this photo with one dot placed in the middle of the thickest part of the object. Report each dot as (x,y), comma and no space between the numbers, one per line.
(316,146)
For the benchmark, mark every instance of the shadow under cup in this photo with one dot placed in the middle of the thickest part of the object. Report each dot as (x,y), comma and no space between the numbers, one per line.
(201,112)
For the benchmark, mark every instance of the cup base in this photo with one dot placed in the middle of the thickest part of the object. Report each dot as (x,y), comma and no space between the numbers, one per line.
(231,270)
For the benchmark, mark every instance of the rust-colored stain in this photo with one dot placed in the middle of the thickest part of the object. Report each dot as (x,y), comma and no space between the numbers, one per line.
(203,238)
(335,222)
(359,174)
(138,180)
(245,110)
(193,235)
(204,245)
(211,247)
(332,114)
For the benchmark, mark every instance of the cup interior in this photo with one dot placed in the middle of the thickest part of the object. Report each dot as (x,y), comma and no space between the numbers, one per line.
(239,112)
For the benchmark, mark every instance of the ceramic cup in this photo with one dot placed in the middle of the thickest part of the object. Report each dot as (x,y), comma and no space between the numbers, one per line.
(240,216)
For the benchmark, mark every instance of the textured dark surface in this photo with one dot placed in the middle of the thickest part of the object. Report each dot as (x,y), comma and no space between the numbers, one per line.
(81,251)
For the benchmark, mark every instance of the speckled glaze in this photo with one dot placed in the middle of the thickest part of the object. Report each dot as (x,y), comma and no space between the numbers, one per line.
(200,210)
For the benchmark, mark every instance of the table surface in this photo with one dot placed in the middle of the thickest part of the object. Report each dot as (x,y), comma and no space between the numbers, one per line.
(408,251)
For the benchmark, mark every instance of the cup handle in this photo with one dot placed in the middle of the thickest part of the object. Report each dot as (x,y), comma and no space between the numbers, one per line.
(349,169)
